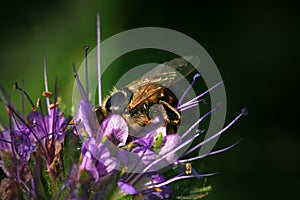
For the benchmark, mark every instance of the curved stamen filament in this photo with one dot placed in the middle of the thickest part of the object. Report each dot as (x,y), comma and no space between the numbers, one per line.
(86,48)
(179,178)
(23,100)
(243,112)
(198,121)
(137,163)
(25,93)
(189,87)
(166,155)
(80,87)
(192,104)
(208,154)
(201,95)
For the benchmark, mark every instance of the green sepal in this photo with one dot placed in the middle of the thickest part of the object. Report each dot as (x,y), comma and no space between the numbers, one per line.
(157,143)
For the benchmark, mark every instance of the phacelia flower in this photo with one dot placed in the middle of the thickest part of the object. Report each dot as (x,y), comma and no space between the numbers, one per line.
(123,150)
(138,161)
(31,143)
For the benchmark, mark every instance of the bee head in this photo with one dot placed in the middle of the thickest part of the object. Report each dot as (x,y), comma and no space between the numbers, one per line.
(118,102)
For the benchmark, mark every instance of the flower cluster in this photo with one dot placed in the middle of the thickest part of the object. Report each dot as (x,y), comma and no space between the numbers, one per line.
(45,154)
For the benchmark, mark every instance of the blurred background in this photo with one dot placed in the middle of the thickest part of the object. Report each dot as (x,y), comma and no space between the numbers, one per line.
(254,46)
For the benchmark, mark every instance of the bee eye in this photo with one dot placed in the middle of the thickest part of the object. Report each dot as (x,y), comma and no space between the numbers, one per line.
(115,102)
(126,110)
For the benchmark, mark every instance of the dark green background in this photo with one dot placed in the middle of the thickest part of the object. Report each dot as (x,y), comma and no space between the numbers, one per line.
(253,44)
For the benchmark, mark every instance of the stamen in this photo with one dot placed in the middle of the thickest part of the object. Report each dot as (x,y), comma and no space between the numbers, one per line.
(99,60)
(13,114)
(163,157)
(23,100)
(46,84)
(16,87)
(201,95)
(86,48)
(38,102)
(208,154)
(137,163)
(80,87)
(181,177)
(39,105)
(243,112)
(72,122)
(54,111)
(52,148)
(9,111)
(190,86)
(198,121)
(157,189)
(52,105)
(47,94)
(167,154)
(193,104)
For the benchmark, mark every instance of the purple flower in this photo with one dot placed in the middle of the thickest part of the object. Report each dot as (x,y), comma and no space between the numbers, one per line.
(140,187)
(115,128)
(96,160)
(30,142)
(140,158)
(124,152)
(85,120)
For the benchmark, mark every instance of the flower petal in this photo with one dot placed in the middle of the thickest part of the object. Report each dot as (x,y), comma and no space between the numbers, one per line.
(126,187)
(86,118)
(170,142)
(116,129)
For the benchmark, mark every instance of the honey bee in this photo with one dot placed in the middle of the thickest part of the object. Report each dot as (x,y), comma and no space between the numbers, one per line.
(148,97)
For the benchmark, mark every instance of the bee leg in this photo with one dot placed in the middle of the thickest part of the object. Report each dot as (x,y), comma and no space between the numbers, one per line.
(173,117)
(100,113)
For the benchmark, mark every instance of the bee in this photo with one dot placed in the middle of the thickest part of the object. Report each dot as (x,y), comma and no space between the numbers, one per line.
(149,97)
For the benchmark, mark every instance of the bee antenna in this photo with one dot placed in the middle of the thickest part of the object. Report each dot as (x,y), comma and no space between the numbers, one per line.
(188,88)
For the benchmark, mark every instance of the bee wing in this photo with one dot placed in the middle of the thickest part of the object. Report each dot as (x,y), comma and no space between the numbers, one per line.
(166,74)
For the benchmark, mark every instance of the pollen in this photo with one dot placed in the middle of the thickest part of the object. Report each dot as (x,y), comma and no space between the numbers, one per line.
(188,168)
(15,85)
(38,102)
(47,94)
(157,189)
(72,121)
(51,106)
(8,111)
